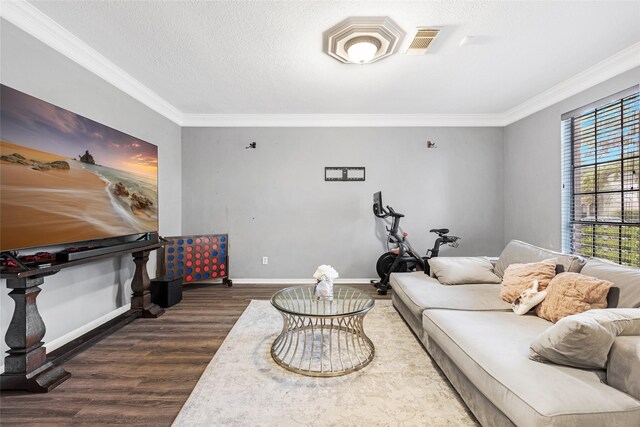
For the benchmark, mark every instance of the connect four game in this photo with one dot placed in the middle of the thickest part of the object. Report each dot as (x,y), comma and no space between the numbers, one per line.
(197,258)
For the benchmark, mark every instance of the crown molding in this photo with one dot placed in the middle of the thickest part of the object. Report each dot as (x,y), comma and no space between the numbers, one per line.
(341,120)
(31,20)
(34,22)
(614,65)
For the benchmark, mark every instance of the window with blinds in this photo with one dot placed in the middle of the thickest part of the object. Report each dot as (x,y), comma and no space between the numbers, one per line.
(601,179)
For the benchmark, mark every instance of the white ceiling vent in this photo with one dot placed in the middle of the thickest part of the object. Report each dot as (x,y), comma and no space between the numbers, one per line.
(422,41)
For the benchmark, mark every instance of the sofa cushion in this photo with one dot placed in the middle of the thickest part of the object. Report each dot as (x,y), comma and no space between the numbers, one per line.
(417,291)
(521,252)
(572,293)
(584,340)
(626,281)
(427,292)
(623,368)
(491,348)
(519,277)
(463,270)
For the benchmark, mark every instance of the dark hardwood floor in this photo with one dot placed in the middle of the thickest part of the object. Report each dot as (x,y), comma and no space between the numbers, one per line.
(143,373)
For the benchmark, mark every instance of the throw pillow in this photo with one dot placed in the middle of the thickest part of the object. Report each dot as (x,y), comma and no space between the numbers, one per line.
(625,292)
(463,270)
(584,340)
(518,277)
(572,293)
(517,252)
(528,299)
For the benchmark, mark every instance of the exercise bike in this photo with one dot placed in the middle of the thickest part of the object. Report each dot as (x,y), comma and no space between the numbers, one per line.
(400,256)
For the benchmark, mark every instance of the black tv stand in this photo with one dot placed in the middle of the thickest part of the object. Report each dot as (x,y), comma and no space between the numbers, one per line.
(26,365)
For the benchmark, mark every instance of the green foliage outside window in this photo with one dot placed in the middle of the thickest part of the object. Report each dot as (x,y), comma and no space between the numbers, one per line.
(605,208)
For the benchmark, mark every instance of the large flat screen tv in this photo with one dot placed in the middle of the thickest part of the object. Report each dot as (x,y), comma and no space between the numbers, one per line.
(65,178)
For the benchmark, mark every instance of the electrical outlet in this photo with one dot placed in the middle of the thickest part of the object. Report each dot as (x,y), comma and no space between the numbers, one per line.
(265,260)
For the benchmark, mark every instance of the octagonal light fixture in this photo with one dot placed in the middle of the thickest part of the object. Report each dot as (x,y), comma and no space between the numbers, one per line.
(362,40)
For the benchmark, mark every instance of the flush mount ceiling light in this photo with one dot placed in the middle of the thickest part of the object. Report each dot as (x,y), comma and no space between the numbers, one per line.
(362,49)
(362,40)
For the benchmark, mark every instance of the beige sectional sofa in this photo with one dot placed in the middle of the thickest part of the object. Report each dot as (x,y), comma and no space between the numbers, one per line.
(483,349)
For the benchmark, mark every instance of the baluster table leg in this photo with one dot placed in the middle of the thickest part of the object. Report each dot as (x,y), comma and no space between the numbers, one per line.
(26,366)
(141,287)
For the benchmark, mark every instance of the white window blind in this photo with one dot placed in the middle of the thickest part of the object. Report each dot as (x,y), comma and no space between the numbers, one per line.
(601,180)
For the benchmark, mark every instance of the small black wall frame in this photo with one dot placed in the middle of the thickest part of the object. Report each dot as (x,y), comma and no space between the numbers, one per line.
(348,173)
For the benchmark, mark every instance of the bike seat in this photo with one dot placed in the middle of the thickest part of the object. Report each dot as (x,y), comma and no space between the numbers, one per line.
(439,230)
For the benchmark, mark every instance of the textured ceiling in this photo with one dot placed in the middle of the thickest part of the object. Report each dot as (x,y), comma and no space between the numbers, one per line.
(265,57)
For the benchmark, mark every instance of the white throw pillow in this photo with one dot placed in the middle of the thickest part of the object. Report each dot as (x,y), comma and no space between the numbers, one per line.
(583,340)
(463,270)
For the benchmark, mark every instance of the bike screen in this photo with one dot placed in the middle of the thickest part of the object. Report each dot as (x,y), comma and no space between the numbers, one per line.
(377,204)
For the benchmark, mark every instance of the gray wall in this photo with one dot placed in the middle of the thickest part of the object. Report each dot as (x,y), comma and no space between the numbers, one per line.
(273,201)
(532,189)
(77,296)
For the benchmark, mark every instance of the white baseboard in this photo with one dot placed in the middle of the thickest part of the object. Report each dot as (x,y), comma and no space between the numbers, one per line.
(357,281)
(59,342)
(66,338)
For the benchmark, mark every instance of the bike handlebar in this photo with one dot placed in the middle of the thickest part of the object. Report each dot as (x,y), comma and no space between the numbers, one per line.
(394,213)
(386,212)
(382,214)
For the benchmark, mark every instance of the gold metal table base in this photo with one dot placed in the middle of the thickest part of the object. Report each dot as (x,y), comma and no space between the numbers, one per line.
(327,346)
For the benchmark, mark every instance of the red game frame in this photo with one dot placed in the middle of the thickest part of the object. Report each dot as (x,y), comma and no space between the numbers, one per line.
(196,258)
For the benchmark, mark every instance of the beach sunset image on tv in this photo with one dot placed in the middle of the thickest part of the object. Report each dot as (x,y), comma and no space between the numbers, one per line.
(65,178)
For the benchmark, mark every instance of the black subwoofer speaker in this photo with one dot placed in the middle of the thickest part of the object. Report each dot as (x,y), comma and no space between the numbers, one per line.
(166,292)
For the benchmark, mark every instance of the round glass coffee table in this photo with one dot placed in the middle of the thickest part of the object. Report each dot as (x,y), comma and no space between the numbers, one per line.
(322,338)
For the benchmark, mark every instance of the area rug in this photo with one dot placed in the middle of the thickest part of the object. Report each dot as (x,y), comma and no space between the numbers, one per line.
(243,386)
